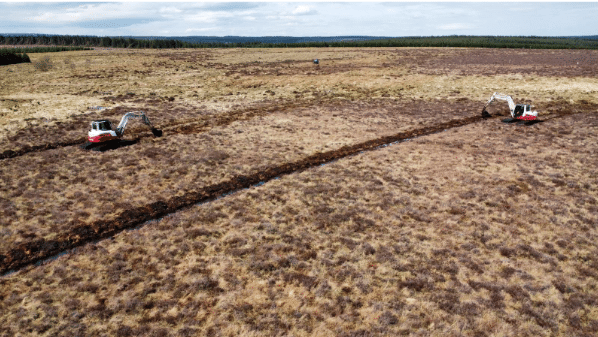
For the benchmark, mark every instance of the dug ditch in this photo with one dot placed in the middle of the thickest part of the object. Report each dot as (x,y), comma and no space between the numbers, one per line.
(35,251)
(41,249)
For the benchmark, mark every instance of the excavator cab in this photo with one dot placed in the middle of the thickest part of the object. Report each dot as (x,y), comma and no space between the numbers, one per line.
(519,110)
(101,131)
(101,125)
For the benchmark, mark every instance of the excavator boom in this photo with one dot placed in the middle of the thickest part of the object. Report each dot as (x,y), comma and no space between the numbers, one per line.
(501,97)
(120,129)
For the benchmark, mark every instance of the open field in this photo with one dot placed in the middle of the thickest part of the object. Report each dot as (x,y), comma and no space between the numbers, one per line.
(467,232)
(483,229)
(183,86)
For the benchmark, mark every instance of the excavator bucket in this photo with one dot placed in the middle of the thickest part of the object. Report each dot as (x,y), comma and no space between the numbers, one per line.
(485,113)
(157,132)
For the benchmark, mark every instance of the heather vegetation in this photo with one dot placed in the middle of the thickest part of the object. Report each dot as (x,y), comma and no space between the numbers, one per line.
(466,232)
(467,227)
(159,170)
(196,89)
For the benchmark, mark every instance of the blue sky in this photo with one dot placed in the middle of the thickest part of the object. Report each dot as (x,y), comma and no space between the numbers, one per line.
(300,18)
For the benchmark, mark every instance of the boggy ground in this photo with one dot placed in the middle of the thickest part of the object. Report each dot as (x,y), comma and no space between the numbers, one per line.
(65,188)
(484,230)
(229,112)
(183,86)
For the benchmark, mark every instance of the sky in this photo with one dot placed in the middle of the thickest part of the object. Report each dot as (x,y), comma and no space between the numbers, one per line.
(300,18)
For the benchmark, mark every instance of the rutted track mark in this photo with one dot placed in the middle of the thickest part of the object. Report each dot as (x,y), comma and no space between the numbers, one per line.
(32,252)
(246,114)
(12,153)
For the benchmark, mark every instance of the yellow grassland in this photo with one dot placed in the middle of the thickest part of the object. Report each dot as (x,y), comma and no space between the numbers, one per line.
(30,96)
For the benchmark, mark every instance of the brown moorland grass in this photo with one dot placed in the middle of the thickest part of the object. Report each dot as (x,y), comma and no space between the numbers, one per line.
(68,212)
(182,86)
(65,188)
(488,229)
(524,264)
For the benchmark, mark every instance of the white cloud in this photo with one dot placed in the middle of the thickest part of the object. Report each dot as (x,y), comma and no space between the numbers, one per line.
(170,10)
(296,18)
(304,10)
(191,30)
(88,12)
(455,26)
(208,17)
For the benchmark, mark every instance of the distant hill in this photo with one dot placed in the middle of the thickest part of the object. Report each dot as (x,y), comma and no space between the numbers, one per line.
(262,39)
(275,39)
(593,37)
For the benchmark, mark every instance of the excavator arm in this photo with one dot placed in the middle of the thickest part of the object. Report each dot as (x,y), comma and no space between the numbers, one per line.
(501,97)
(120,129)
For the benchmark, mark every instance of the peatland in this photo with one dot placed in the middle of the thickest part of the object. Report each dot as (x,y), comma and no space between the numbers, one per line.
(361,196)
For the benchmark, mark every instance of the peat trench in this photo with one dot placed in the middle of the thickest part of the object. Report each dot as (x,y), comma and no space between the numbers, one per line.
(37,251)
(173,128)
(31,252)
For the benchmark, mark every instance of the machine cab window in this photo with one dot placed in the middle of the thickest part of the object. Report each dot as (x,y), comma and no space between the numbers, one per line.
(102,126)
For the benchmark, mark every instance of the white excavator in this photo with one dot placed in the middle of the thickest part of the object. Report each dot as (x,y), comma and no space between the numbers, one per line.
(102,131)
(519,112)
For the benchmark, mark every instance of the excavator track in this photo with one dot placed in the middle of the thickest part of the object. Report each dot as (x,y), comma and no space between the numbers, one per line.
(110,145)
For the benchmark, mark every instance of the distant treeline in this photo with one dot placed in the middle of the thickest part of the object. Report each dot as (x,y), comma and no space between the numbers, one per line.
(94,41)
(532,42)
(44,49)
(10,56)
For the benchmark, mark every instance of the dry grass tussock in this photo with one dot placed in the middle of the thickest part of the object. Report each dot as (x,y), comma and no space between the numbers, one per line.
(485,230)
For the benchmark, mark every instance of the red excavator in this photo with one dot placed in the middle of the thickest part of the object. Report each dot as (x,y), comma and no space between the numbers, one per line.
(519,112)
(102,131)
